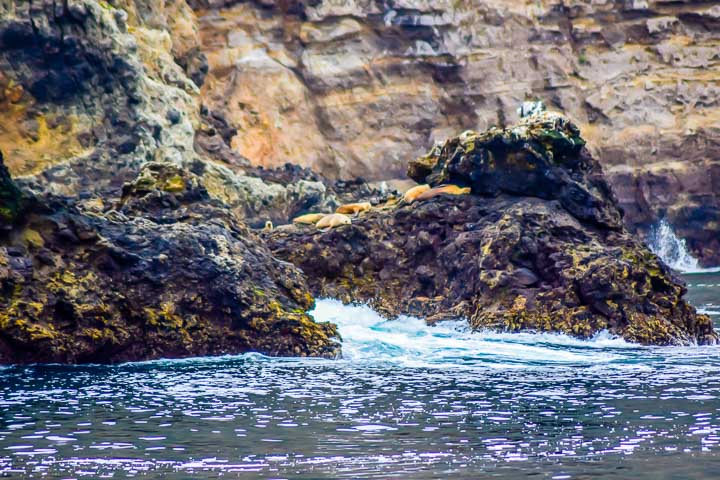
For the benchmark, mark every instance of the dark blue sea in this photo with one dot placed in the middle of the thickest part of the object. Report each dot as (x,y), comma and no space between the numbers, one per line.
(407,401)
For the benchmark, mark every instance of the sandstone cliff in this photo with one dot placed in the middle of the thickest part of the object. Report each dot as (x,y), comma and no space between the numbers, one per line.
(356,87)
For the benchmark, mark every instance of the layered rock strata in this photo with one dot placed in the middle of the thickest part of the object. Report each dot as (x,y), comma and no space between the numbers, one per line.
(356,87)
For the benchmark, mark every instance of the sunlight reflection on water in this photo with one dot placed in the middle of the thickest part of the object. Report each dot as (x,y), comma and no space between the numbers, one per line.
(407,401)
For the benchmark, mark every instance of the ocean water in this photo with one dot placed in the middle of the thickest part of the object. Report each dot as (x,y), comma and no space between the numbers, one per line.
(407,401)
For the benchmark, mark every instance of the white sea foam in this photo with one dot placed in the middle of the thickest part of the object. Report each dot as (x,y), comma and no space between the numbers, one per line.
(409,341)
(673,250)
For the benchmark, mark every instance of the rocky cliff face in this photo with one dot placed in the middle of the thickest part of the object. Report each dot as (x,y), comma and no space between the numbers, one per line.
(119,241)
(144,137)
(166,272)
(357,87)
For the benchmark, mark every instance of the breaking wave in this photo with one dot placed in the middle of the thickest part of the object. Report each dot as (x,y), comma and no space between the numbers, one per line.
(673,250)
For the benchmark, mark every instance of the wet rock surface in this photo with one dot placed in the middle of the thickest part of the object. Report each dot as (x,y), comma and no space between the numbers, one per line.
(165,273)
(508,256)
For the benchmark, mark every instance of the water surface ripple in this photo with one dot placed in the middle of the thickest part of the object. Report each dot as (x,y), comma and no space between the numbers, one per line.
(407,401)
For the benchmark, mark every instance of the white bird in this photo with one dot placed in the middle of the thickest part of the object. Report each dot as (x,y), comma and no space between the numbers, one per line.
(527,109)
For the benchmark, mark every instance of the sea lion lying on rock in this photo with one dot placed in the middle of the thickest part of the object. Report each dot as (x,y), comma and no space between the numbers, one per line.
(354,208)
(333,220)
(539,245)
(309,218)
(414,192)
(442,190)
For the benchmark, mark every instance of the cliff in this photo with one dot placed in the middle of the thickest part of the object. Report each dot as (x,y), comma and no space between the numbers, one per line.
(143,138)
(357,87)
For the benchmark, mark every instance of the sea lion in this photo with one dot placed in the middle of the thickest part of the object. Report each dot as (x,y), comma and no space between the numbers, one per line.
(268,226)
(308,219)
(354,208)
(333,220)
(442,190)
(414,192)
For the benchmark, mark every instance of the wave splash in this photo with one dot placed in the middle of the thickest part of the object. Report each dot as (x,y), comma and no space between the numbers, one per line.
(673,250)
(410,342)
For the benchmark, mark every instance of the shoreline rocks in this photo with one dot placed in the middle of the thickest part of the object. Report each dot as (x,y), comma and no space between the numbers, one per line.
(167,273)
(538,245)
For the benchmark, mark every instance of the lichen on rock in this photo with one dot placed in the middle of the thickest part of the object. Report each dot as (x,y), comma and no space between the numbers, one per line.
(166,272)
(539,245)
(541,156)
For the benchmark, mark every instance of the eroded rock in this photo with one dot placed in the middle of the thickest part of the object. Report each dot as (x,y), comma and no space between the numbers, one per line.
(539,245)
(168,272)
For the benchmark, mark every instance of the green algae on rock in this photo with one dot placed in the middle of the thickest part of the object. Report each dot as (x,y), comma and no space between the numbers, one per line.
(167,273)
(538,246)
(542,156)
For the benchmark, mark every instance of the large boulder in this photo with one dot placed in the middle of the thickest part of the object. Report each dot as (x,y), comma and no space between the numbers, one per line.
(166,272)
(542,156)
(539,245)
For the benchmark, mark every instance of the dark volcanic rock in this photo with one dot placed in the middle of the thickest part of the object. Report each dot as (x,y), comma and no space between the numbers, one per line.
(543,156)
(169,273)
(540,248)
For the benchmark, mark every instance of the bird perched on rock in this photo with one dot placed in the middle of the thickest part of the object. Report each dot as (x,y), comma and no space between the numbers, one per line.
(527,109)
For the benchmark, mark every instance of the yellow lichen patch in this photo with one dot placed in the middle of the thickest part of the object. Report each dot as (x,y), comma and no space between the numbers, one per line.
(94,334)
(32,238)
(164,316)
(71,285)
(36,331)
(174,184)
(32,143)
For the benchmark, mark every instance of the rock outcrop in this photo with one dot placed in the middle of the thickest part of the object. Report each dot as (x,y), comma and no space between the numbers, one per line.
(91,91)
(165,273)
(144,137)
(539,245)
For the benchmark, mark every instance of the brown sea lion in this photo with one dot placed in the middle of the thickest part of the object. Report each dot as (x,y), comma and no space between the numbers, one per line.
(308,219)
(333,220)
(414,192)
(354,208)
(443,190)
